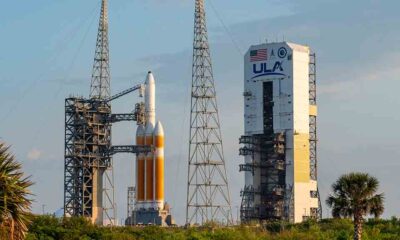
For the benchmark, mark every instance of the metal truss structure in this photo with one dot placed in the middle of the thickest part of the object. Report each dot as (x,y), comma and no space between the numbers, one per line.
(100,84)
(268,154)
(317,214)
(88,158)
(86,154)
(266,199)
(208,197)
(88,169)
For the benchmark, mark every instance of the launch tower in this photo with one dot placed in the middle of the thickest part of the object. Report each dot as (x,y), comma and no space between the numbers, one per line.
(280,134)
(88,169)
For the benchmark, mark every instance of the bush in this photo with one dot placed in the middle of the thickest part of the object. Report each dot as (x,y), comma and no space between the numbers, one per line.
(50,228)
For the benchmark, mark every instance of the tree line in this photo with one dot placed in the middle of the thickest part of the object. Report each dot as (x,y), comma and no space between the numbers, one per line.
(354,197)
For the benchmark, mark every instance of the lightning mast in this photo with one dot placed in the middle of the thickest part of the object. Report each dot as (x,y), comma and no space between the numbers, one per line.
(100,89)
(208,197)
(100,84)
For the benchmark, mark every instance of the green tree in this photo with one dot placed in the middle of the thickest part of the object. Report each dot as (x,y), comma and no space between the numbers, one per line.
(14,196)
(354,195)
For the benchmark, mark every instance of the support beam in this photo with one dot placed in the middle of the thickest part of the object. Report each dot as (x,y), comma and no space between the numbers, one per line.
(121,117)
(130,149)
(123,93)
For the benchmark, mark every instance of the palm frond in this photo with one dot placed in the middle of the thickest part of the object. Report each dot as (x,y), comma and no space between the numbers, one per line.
(355,193)
(15,202)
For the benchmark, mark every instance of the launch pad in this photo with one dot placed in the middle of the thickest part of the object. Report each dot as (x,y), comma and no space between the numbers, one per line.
(151,217)
(88,169)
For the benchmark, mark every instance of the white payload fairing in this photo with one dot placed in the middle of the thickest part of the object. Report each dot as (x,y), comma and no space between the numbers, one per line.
(150,99)
(150,166)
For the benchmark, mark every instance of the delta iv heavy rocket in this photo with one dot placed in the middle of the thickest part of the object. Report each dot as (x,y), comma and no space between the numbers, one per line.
(150,207)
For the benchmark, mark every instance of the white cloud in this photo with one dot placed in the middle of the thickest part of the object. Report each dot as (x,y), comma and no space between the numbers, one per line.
(34,154)
(361,76)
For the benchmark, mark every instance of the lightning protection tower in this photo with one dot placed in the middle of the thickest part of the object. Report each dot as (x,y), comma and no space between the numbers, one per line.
(100,84)
(100,89)
(208,197)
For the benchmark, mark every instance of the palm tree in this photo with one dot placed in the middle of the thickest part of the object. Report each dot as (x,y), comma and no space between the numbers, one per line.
(354,195)
(14,196)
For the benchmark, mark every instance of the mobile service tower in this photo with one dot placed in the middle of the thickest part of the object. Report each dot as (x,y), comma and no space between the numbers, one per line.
(279,143)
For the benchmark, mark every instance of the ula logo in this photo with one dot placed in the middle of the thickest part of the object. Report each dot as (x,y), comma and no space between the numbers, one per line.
(261,69)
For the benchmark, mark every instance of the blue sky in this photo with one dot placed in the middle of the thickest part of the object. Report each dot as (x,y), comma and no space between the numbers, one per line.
(47,52)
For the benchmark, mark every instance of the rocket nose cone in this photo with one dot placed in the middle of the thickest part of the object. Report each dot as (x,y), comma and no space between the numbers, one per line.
(159,130)
(149,129)
(140,131)
(150,78)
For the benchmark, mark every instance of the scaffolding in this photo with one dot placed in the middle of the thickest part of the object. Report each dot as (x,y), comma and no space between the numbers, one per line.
(87,140)
(268,160)
(88,170)
(267,152)
(315,213)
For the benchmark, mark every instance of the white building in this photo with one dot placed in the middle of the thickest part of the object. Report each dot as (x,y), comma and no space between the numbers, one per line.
(277,134)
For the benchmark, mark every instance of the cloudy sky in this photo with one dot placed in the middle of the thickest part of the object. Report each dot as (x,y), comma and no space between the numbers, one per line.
(47,51)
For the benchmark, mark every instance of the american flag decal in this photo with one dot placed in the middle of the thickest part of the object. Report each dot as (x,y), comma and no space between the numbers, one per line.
(258,55)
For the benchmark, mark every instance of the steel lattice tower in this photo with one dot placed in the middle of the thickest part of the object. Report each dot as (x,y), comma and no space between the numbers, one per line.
(100,84)
(313,129)
(208,197)
(100,88)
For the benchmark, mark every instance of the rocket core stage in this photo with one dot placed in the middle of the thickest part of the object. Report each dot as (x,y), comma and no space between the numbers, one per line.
(150,166)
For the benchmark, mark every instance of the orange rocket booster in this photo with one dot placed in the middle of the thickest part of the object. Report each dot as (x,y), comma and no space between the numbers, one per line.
(149,173)
(140,167)
(159,165)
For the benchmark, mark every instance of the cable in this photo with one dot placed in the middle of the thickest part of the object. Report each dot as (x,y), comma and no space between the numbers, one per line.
(53,59)
(234,42)
(69,69)
(184,121)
